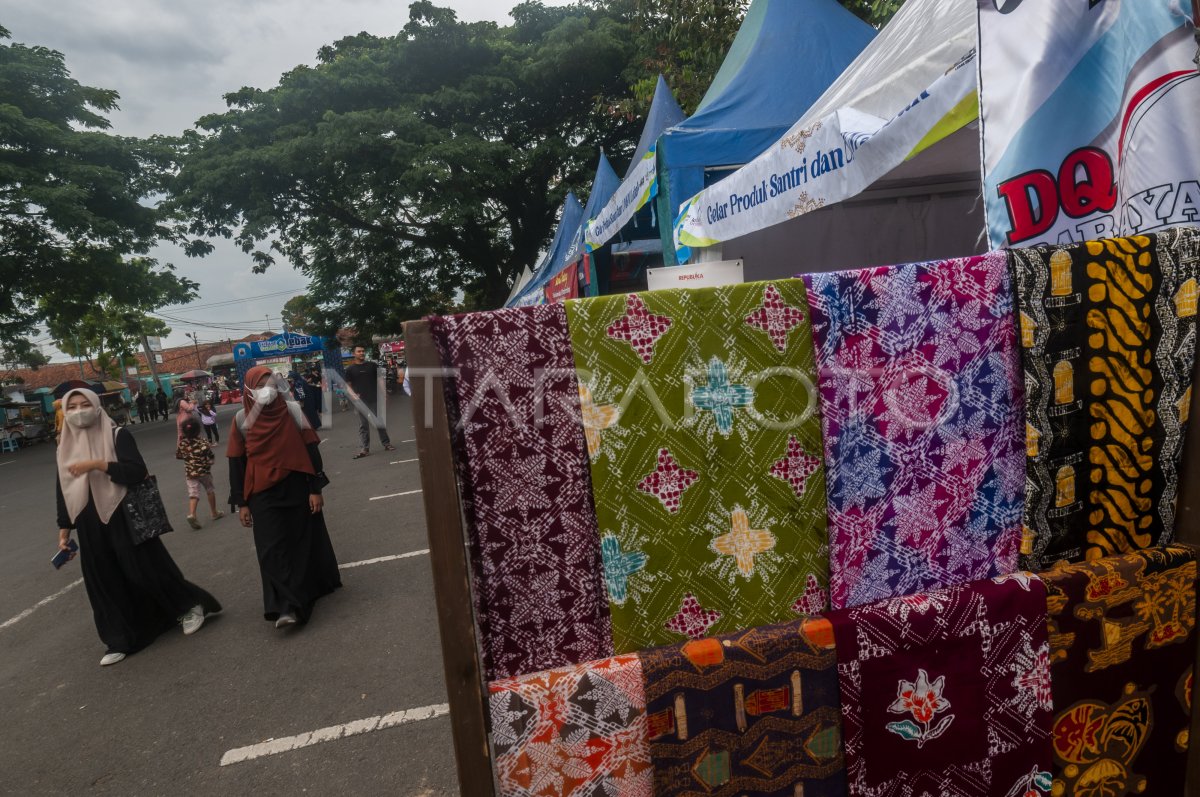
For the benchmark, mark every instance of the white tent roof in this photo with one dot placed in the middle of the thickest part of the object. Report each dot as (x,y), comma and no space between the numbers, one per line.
(896,111)
(921,43)
(522,279)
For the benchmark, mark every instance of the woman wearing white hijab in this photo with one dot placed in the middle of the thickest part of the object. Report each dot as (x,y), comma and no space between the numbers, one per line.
(136,591)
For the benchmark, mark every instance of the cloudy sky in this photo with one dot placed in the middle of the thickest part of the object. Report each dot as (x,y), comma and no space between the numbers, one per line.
(172,62)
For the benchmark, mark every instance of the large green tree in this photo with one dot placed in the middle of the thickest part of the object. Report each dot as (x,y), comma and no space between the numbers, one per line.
(683,40)
(105,335)
(402,170)
(111,328)
(74,223)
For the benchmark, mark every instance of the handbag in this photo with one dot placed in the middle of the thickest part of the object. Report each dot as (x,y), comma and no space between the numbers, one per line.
(145,513)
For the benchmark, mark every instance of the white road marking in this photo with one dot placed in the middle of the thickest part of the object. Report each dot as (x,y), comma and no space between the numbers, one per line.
(403,461)
(409,441)
(379,559)
(393,495)
(332,733)
(41,603)
(11,461)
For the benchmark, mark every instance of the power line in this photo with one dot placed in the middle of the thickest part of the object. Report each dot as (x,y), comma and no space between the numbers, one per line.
(190,307)
(249,327)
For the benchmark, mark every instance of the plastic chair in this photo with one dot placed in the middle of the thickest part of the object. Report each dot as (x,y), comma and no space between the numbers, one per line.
(8,444)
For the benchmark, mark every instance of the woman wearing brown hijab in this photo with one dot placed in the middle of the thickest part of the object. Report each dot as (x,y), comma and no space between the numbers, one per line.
(136,591)
(276,478)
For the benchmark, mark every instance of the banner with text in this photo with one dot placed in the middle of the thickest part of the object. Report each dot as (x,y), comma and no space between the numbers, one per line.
(638,188)
(1089,116)
(825,162)
(564,285)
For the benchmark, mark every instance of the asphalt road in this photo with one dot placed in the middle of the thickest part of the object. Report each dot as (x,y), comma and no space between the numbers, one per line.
(161,721)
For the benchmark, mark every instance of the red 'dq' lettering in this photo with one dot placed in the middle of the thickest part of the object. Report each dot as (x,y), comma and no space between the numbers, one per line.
(1085,185)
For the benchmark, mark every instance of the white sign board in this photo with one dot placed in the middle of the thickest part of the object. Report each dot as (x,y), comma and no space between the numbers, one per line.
(154,343)
(132,370)
(158,359)
(700,275)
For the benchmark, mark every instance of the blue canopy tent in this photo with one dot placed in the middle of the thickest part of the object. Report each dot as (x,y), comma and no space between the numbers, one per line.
(619,221)
(568,222)
(785,55)
(604,185)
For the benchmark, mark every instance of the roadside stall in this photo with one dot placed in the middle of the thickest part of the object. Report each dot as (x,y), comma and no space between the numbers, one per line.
(115,399)
(685,596)
(224,373)
(26,423)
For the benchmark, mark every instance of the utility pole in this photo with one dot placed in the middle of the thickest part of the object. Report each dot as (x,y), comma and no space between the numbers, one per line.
(150,362)
(78,359)
(196,346)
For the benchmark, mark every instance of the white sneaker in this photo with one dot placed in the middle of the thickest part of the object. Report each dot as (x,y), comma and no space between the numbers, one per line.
(192,620)
(111,658)
(285,619)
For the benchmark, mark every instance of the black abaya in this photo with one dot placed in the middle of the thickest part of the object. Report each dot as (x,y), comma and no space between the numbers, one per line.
(136,591)
(295,555)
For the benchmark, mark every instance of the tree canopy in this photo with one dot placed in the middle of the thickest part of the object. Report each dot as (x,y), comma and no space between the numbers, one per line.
(422,171)
(74,221)
(401,174)
(401,170)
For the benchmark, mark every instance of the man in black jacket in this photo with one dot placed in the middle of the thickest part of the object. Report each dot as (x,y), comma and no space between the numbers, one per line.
(362,379)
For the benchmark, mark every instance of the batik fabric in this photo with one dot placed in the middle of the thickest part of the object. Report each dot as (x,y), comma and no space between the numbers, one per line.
(751,713)
(948,693)
(921,409)
(1108,345)
(576,731)
(519,447)
(704,443)
(1122,641)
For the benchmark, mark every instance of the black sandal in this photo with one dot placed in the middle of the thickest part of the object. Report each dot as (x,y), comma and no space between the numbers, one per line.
(361,454)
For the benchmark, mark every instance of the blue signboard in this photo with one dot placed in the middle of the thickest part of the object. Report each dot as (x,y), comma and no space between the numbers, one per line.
(289,344)
(285,345)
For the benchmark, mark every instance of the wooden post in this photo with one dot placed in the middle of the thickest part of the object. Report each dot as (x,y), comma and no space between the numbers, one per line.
(451,574)
(1187,529)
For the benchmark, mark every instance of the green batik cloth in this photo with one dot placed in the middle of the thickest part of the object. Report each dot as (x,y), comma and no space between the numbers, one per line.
(703,430)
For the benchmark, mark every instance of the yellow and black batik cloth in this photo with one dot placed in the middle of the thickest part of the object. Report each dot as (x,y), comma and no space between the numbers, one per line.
(1107,331)
(753,713)
(1122,636)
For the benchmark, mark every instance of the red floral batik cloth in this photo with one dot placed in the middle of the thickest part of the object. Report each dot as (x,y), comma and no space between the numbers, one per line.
(1122,640)
(948,693)
(537,576)
(573,732)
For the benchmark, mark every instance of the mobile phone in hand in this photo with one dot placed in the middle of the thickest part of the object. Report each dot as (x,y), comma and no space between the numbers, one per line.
(62,557)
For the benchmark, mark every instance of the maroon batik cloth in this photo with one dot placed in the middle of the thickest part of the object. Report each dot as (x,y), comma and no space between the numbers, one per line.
(947,693)
(1122,639)
(522,462)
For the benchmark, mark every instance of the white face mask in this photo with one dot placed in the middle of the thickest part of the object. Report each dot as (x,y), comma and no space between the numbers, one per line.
(265,395)
(81,419)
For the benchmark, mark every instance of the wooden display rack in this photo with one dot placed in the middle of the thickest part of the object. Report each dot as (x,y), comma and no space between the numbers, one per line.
(446,527)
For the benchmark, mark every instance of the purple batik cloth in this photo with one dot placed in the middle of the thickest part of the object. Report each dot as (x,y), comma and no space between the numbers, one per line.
(923,423)
(948,693)
(537,576)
